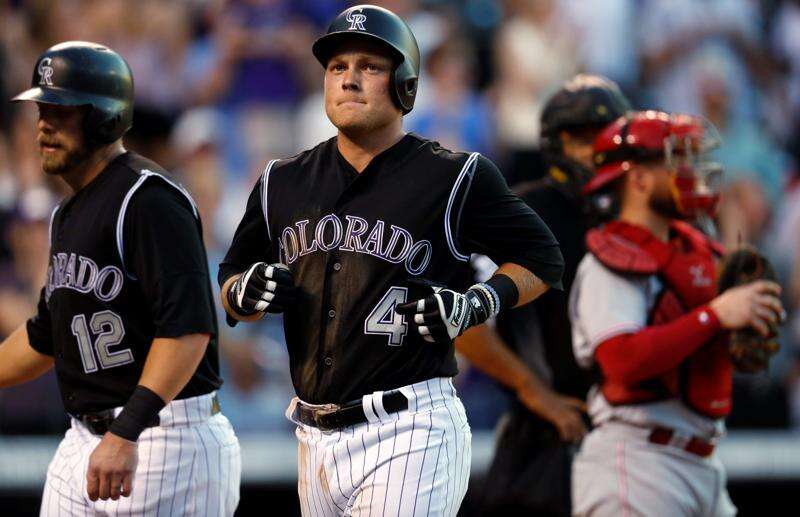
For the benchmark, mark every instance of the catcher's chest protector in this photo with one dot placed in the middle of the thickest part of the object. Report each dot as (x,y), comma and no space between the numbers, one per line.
(686,267)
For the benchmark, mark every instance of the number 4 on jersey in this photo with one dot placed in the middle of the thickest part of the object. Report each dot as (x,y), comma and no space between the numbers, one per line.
(383,320)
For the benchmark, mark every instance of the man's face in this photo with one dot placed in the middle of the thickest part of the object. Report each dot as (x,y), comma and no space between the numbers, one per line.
(62,145)
(357,98)
(662,200)
(578,144)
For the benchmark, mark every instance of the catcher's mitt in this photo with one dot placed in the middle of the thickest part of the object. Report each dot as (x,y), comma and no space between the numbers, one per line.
(750,351)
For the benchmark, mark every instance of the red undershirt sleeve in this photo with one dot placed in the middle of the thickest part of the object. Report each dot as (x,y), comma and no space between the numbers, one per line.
(631,358)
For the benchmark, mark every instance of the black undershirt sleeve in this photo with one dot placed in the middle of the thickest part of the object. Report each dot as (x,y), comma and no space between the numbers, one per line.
(251,242)
(496,223)
(164,251)
(39,327)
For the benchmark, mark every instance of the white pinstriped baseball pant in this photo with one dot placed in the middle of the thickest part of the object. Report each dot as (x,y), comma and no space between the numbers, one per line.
(188,465)
(414,462)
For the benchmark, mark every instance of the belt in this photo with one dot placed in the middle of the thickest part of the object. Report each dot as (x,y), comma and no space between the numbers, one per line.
(695,445)
(98,422)
(352,413)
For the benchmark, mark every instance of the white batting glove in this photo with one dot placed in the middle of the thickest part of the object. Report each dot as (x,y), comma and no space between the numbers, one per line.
(262,288)
(446,314)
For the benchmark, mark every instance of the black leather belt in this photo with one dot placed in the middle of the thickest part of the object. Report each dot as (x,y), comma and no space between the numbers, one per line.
(352,413)
(99,421)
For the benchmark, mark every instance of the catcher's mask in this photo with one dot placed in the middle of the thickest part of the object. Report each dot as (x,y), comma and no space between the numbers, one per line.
(682,141)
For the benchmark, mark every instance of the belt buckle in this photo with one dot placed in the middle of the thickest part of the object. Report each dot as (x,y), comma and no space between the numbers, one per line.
(679,440)
(327,416)
(98,423)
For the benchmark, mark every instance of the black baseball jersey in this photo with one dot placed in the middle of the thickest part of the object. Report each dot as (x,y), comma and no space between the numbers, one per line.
(360,244)
(127,265)
(531,470)
(540,332)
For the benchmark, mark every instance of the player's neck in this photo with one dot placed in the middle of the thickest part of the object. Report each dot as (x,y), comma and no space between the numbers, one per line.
(360,149)
(94,164)
(647,218)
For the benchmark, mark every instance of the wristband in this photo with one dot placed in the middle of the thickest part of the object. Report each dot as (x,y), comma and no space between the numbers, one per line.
(504,292)
(139,413)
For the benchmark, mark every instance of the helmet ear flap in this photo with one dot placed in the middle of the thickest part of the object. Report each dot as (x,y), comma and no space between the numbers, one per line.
(107,129)
(405,87)
(99,129)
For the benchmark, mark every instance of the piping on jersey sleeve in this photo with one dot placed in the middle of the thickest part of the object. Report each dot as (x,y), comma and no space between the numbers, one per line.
(50,226)
(467,171)
(144,175)
(264,192)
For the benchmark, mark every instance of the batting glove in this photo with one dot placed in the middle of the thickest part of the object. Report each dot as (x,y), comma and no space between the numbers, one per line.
(262,288)
(446,314)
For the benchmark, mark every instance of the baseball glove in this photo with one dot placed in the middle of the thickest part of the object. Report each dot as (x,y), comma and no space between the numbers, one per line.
(750,351)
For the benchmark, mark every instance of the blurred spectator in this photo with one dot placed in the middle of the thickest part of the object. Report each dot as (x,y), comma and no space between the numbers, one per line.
(253,357)
(754,165)
(21,279)
(251,65)
(535,51)
(784,105)
(679,38)
(605,31)
(449,110)
(783,245)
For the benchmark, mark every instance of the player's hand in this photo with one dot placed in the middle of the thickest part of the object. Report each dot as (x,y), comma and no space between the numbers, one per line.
(111,468)
(446,314)
(262,288)
(561,411)
(755,305)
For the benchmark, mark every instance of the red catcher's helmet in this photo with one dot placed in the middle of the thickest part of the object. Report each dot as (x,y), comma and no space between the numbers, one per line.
(682,141)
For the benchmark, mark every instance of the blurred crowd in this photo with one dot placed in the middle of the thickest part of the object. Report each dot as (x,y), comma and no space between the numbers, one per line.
(224,85)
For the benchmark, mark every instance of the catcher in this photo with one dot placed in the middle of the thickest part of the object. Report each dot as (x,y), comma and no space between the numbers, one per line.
(651,318)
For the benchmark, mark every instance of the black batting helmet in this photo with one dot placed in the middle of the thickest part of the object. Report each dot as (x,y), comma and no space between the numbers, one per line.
(584,101)
(381,25)
(80,73)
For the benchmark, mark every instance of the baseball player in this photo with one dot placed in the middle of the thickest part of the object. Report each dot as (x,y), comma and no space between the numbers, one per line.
(530,473)
(647,319)
(127,314)
(363,243)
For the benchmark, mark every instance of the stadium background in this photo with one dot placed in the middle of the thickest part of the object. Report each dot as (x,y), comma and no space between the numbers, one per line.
(222,86)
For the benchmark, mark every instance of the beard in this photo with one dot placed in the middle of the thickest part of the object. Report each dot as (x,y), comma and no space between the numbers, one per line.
(65,159)
(663,203)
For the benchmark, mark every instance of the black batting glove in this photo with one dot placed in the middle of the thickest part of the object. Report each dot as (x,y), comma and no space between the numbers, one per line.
(446,314)
(262,288)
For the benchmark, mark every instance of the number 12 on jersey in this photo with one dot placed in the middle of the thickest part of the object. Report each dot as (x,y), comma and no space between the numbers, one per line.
(110,331)
(385,321)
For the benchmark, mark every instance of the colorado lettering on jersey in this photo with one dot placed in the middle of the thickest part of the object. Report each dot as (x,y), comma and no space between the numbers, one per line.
(82,274)
(357,237)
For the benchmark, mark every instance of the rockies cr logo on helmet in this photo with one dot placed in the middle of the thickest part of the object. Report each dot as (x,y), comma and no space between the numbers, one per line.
(356,19)
(45,72)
